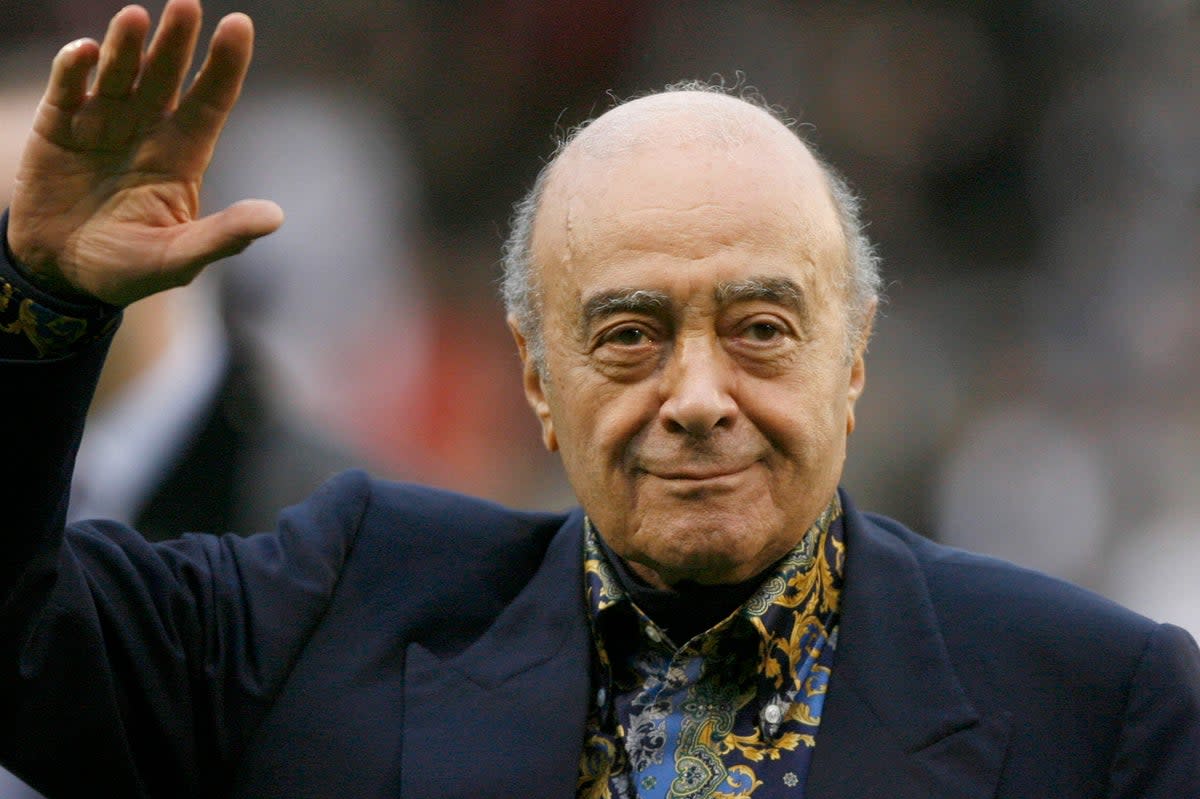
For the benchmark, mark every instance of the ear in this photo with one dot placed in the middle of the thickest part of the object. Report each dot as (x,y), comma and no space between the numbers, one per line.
(535,388)
(858,368)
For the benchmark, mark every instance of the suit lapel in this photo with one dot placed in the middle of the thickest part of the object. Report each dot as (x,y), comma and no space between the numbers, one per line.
(505,717)
(365,714)
(896,722)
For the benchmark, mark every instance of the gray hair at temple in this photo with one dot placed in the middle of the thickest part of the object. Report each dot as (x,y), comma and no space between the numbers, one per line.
(862,280)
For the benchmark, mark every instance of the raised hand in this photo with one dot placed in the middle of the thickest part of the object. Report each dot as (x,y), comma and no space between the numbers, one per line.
(107,196)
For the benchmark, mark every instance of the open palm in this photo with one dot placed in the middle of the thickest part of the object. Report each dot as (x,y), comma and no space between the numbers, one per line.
(107,196)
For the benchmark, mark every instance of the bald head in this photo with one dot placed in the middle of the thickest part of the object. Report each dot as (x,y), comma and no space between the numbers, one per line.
(657,143)
(674,119)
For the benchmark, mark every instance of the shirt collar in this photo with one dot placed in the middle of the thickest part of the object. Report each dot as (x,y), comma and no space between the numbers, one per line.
(804,583)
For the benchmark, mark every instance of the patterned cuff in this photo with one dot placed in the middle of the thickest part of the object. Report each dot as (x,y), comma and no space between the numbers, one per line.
(37,325)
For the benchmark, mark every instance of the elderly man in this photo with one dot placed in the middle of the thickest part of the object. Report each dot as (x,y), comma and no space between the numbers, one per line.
(691,296)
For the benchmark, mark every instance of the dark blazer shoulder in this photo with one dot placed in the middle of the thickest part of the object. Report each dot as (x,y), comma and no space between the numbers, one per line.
(979,594)
(1042,688)
(428,509)
(452,561)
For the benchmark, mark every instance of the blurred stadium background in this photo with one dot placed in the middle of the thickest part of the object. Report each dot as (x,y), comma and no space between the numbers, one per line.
(1031,173)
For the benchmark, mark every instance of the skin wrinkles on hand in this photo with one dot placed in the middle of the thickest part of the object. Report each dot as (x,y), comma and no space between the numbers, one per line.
(107,197)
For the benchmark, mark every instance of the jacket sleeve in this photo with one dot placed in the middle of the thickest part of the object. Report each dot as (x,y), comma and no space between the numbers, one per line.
(129,668)
(1158,756)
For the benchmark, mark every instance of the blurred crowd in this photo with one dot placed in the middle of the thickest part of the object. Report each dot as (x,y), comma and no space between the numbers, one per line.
(1031,174)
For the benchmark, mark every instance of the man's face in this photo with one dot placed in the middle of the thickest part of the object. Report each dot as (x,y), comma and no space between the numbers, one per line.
(696,381)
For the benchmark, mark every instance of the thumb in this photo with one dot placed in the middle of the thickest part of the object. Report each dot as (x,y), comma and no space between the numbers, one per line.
(224,233)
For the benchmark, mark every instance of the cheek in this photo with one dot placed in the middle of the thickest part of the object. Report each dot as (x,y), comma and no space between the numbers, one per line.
(604,414)
(586,423)
(808,414)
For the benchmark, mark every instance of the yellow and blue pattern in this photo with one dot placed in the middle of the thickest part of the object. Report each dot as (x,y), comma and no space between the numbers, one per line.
(733,712)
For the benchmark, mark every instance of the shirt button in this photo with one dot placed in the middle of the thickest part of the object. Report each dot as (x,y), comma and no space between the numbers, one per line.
(773,714)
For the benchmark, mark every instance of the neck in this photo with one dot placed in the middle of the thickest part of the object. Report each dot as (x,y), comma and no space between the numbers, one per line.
(685,609)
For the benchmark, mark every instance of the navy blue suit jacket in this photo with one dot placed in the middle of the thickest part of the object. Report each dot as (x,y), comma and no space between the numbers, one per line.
(392,640)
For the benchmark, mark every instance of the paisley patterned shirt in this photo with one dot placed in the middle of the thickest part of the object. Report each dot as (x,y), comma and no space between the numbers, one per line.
(731,713)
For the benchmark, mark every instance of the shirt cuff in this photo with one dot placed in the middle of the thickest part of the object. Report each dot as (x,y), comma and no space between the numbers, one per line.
(37,325)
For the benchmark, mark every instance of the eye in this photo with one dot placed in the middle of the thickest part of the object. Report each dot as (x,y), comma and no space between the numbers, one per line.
(626,350)
(626,336)
(763,331)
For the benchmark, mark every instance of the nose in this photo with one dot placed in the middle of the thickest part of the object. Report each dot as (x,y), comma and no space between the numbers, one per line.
(696,389)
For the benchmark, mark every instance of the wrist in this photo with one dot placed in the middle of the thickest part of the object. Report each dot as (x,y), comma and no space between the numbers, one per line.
(41,321)
(47,280)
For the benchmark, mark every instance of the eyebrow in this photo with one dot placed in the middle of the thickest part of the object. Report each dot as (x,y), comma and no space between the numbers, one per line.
(778,290)
(637,301)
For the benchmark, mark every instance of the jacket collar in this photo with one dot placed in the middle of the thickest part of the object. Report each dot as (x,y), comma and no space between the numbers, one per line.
(506,715)
(896,721)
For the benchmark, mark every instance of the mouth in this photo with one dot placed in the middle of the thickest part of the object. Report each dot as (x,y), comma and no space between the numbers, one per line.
(697,474)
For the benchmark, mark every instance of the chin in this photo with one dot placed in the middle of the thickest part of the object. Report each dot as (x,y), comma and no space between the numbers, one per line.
(722,573)
(707,555)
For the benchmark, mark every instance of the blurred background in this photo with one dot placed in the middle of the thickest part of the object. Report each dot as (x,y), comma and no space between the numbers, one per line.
(1031,174)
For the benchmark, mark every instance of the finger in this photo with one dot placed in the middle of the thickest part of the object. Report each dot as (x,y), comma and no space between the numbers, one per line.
(213,93)
(66,90)
(170,55)
(121,52)
(224,233)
